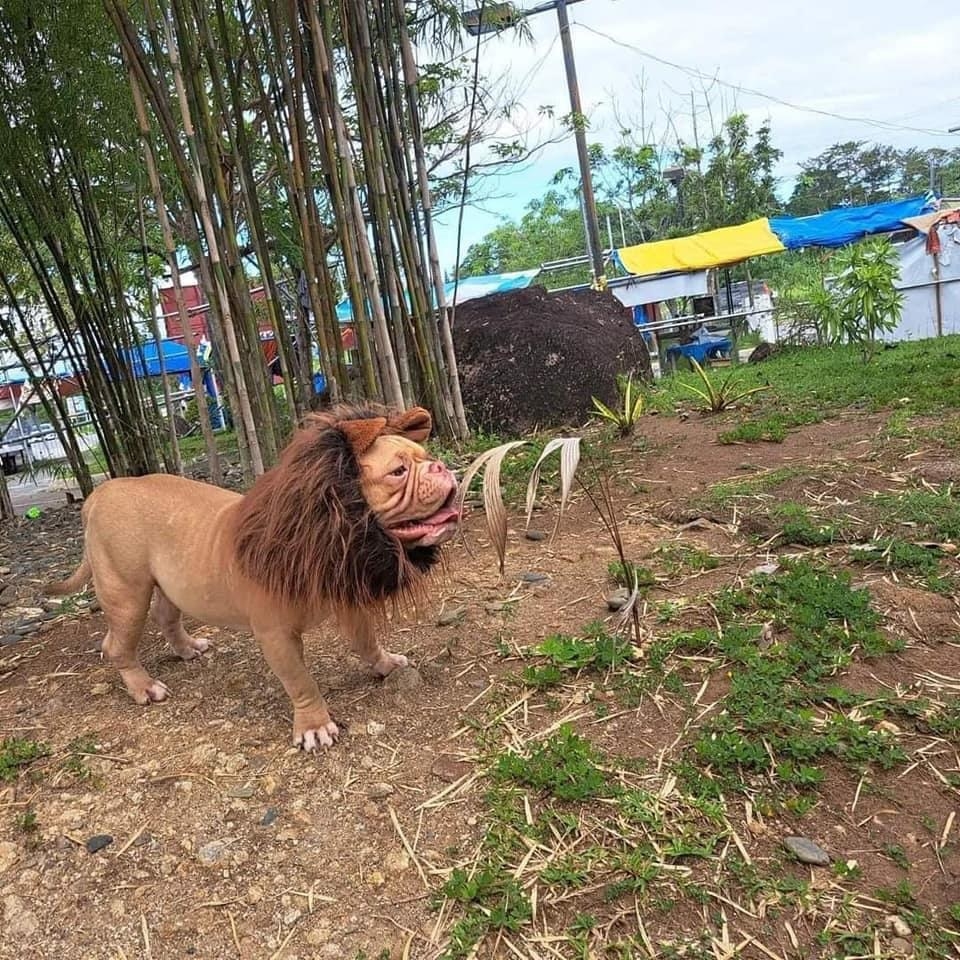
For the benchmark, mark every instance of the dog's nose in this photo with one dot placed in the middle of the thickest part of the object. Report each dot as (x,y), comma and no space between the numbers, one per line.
(437,466)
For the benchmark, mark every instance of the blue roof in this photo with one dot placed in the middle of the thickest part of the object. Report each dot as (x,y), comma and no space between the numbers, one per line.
(842,225)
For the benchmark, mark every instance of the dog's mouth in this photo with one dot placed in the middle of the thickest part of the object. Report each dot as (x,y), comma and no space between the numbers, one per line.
(436,528)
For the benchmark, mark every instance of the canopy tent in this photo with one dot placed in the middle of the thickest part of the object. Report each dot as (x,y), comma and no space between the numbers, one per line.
(176,360)
(835,228)
(714,248)
(729,245)
(469,288)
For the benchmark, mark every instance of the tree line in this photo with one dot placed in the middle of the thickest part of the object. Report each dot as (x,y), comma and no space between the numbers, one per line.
(652,192)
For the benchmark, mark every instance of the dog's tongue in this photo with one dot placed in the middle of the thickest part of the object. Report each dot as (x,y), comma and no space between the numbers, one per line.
(443,515)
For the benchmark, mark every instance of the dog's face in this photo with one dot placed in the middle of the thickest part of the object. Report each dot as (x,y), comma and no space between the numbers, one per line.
(412,494)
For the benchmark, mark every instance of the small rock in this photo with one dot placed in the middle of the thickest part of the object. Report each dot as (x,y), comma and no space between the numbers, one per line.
(317,937)
(396,861)
(367,762)
(451,616)
(376,879)
(535,535)
(234,764)
(618,599)
(765,569)
(9,639)
(254,895)
(100,689)
(495,606)
(900,947)
(375,728)
(291,917)
(19,922)
(899,926)
(212,853)
(403,680)
(98,842)
(244,792)
(270,785)
(450,770)
(806,851)
(380,791)
(203,754)
(532,576)
(9,855)
(269,817)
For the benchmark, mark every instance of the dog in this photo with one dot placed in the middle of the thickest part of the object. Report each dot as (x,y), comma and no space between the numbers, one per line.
(350,519)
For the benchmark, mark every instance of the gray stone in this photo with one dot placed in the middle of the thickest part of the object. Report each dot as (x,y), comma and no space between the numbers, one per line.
(380,791)
(244,792)
(451,616)
(900,947)
(269,817)
(403,680)
(806,851)
(533,576)
(212,853)
(618,599)
(535,535)
(7,640)
(101,840)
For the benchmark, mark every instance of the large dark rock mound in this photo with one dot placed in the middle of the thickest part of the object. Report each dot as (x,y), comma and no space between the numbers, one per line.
(531,359)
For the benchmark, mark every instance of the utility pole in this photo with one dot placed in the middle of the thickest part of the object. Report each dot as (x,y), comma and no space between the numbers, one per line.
(497,16)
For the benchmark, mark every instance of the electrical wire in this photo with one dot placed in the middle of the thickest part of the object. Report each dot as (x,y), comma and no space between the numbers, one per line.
(699,74)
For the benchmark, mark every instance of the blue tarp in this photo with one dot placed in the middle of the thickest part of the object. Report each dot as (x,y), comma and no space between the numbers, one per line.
(834,228)
(470,288)
(175,358)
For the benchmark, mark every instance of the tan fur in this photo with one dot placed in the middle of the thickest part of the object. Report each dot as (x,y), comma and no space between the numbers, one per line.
(209,553)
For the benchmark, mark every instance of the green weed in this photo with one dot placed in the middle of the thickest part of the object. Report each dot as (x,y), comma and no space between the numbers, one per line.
(935,513)
(564,766)
(17,752)
(769,429)
(631,574)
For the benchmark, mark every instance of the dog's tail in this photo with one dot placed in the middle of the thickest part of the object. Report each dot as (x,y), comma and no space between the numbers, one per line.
(79,578)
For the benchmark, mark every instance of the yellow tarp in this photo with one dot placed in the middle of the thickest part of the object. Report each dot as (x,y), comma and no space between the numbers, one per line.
(715,248)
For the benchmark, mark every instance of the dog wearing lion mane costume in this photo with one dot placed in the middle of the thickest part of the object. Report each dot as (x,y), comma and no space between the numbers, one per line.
(351,518)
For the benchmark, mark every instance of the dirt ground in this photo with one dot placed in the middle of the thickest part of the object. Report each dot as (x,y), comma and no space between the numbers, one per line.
(224,841)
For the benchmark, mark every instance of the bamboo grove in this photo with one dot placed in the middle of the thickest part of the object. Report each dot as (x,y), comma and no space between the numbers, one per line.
(288,146)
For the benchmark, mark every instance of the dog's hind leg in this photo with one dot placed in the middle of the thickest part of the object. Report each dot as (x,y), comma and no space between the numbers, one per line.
(170,621)
(126,607)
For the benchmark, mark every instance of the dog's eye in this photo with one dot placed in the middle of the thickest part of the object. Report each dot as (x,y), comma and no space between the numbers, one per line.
(400,471)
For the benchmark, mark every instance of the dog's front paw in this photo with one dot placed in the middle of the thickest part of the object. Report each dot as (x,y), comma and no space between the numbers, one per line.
(315,737)
(388,662)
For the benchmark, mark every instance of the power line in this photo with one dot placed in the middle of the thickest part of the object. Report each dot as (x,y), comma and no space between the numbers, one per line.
(694,72)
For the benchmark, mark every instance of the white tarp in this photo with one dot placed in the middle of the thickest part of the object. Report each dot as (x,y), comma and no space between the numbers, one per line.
(656,289)
(918,319)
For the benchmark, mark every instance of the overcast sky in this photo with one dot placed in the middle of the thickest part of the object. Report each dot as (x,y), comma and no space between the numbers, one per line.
(877,61)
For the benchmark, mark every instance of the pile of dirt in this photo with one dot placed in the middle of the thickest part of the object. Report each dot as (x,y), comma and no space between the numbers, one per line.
(530,359)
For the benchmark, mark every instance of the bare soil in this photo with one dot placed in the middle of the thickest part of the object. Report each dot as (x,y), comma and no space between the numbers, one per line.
(227,842)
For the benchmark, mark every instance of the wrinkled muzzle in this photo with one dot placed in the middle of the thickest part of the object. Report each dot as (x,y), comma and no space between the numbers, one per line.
(437,485)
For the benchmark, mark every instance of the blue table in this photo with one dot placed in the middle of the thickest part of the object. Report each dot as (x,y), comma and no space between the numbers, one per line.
(700,350)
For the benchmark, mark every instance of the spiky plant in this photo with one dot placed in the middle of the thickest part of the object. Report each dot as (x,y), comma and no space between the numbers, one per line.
(723,396)
(628,413)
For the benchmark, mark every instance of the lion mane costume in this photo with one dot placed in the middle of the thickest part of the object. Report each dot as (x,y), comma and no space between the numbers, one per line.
(351,518)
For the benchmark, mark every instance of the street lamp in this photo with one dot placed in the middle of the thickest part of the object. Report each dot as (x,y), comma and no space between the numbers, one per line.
(495,17)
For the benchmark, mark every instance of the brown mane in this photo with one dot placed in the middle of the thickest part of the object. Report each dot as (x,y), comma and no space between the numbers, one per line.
(305,534)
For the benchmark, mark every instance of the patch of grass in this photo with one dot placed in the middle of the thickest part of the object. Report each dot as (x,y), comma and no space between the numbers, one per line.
(683,558)
(779,720)
(722,495)
(800,527)
(628,574)
(78,751)
(772,428)
(935,513)
(920,375)
(18,752)
(26,822)
(565,766)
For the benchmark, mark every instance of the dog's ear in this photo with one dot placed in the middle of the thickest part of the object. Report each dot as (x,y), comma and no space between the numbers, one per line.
(361,434)
(415,424)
